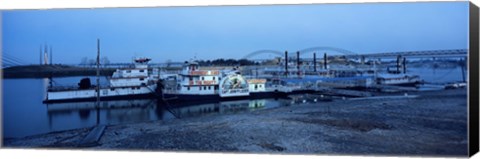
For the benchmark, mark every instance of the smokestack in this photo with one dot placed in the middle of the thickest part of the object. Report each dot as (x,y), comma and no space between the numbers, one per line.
(404,65)
(298,62)
(325,60)
(286,63)
(41,54)
(398,63)
(314,62)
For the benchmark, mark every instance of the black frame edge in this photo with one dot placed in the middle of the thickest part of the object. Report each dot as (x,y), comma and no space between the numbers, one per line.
(473,62)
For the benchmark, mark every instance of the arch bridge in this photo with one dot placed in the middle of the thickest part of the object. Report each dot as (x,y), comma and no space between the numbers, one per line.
(332,51)
(319,49)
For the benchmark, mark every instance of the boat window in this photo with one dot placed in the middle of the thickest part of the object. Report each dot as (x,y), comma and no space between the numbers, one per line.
(219,78)
(129,71)
(141,79)
(190,78)
(209,87)
(142,70)
(214,78)
(256,86)
(112,89)
(203,78)
(188,88)
(200,87)
(205,87)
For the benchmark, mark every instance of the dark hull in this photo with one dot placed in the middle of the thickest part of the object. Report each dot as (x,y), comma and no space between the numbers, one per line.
(122,97)
(175,98)
(302,92)
(261,95)
(413,84)
(191,98)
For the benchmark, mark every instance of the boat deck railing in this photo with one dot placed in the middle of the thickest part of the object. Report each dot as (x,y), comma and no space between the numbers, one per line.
(71,88)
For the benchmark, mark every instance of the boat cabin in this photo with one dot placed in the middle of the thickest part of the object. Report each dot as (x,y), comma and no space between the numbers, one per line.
(131,76)
(256,85)
(192,80)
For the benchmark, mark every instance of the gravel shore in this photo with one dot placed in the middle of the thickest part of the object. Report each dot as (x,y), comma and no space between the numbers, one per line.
(432,124)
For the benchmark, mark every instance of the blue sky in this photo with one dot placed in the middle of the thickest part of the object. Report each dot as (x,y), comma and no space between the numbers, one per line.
(180,33)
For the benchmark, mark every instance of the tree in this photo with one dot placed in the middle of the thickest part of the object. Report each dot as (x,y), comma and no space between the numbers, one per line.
(84,61)
(104,61)
(169,63)
(91,62)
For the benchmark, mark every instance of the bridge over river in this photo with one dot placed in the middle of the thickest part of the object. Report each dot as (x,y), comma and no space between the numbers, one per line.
(306,54)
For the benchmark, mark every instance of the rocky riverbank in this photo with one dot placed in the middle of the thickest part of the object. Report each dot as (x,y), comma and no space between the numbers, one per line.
(433,124)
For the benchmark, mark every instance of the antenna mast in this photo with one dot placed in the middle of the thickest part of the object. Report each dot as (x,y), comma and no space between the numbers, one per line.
(51,55)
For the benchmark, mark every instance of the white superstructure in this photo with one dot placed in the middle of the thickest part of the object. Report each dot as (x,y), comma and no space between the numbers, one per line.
(398,79)
(124,82)
(194,82)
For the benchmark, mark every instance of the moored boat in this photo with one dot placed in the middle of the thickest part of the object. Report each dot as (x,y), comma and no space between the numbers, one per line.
(194,83)
(134,82)
(401,79)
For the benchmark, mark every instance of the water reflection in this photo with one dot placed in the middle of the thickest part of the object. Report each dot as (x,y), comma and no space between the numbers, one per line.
(131,111)
(224,107)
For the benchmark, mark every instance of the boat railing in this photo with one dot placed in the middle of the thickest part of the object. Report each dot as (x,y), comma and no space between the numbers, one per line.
(70,88)
(61,88)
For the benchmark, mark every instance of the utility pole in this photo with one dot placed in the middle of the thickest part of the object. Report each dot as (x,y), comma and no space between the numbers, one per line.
(98,81)
(51,56)
(98,69)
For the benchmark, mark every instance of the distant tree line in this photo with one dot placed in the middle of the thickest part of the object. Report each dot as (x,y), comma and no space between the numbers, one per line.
(85,61)
(227,62)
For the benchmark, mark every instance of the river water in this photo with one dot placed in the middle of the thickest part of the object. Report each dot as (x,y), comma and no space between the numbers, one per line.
(24,114)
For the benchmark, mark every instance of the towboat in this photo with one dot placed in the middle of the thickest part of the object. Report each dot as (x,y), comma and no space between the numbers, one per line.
(133,82)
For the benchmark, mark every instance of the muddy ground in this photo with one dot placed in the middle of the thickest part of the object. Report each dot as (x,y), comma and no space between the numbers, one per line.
(432,124)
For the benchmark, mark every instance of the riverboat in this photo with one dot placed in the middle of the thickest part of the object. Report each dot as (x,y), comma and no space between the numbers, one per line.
(196,84)
(401,79)
(133,82)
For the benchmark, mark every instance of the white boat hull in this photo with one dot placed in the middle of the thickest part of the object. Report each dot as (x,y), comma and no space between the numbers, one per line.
(104,93)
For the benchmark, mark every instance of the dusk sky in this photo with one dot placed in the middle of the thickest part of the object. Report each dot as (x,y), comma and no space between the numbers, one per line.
(180,33)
